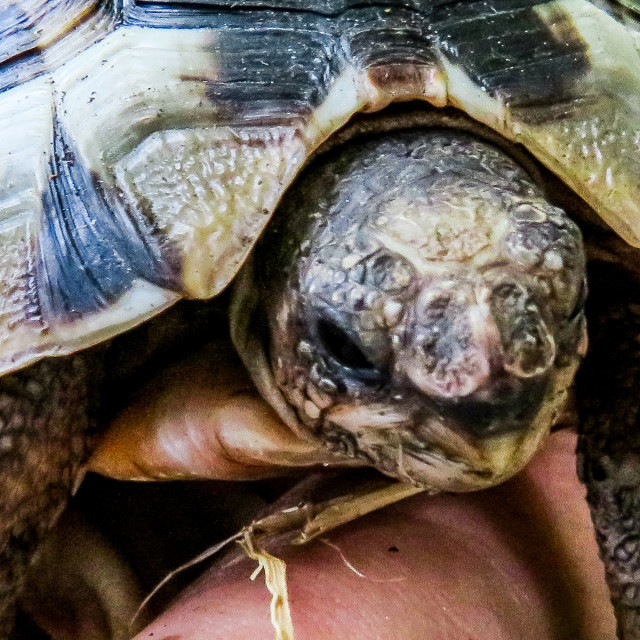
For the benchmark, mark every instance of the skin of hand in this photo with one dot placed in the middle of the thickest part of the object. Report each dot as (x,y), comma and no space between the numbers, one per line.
(201,418)
(516,561)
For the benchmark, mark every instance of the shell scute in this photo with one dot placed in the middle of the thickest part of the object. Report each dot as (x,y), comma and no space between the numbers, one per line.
(295,70)
(36,36)
(187,121)
(513,54)
(209,190)
(90,250)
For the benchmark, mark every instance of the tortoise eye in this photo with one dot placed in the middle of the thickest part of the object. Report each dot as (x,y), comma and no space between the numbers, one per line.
(341,347)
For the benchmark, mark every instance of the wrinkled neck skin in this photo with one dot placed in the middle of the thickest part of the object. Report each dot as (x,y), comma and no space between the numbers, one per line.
(419,307)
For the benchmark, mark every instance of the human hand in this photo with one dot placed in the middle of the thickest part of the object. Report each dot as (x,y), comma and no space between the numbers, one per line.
(516,561)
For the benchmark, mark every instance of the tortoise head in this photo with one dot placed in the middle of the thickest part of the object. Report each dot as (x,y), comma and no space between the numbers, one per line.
(424,307)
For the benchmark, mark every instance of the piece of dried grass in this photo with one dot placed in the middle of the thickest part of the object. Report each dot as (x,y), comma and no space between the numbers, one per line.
(308,521)
(275,578)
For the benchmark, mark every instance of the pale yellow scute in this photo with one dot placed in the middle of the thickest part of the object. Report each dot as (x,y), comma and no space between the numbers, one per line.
(210,191)
(25,122)
(593,143)
(598,155)
(17,332)
(592,140)
(133,82)
(25,337)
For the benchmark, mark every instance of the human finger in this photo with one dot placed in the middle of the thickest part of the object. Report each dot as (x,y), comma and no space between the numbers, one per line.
(516,561)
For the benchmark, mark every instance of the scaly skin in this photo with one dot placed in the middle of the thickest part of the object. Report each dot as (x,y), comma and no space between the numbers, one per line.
(424,307)
(43,423)
(608,391)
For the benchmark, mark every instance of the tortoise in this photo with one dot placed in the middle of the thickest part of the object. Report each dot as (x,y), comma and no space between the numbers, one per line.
(147,143)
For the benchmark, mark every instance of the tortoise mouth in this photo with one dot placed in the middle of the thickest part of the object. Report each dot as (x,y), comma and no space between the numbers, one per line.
(427,450)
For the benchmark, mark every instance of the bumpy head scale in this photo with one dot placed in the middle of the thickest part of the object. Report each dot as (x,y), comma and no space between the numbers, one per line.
(424,305)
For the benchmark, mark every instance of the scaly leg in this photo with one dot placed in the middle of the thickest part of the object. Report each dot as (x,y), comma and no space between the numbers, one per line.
(43,425)
(608,390)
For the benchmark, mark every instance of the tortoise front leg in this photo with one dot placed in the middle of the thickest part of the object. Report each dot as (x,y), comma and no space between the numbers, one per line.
(43,424)
(608,390)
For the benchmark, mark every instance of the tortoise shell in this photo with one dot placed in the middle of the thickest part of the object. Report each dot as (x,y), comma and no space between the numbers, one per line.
(146,144)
